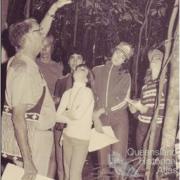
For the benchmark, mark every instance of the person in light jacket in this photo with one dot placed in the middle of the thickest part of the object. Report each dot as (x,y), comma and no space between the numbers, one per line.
(76,109)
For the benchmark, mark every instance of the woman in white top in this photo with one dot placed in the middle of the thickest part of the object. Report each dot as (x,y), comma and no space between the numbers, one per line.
(76,109)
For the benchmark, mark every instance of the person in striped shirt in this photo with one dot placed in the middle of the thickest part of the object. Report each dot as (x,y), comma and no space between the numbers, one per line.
(145,107)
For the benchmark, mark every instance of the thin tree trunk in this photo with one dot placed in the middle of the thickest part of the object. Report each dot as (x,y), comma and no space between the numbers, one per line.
(75,24)
(94,48)
(5,4)
(152,130)
(27,9)
(136,60)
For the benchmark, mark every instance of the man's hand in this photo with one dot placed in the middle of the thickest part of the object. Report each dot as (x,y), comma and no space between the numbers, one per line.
(30,171)
(61,3)
(138,105)
(56,100)
(98,113)
(98,126)
(58,4)
(96,118)
(132,108)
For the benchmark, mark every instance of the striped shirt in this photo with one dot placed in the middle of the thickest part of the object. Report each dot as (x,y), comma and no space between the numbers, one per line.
(148,98)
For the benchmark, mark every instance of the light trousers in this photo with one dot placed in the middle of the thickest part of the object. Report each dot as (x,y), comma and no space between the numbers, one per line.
(75,153)
(41,151)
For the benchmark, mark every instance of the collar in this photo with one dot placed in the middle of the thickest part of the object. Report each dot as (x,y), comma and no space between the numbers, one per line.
(115,68)
(27,60)
(79,84)
(150,81)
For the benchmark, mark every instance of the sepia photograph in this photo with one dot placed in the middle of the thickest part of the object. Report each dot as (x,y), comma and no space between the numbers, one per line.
(90,90)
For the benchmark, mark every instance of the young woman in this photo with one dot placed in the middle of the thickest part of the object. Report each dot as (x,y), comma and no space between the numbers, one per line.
(76,109)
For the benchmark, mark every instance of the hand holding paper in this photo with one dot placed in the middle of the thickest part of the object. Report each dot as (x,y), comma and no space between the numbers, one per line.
(137,105)
(97,122)
(98,126)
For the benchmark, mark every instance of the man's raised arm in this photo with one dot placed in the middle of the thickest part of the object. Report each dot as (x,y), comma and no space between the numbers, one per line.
(47,20)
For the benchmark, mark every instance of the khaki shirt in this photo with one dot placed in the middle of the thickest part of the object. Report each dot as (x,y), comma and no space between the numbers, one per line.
(24,85)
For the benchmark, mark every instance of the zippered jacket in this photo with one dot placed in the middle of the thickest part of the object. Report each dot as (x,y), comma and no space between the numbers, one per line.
(111,87)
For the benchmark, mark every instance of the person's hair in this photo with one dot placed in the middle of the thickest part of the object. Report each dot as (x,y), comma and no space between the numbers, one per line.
(18,30)
(123,47)
(90,75)
(75,51)
(73,54)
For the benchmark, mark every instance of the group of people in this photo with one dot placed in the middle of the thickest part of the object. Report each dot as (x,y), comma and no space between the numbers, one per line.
(72,104)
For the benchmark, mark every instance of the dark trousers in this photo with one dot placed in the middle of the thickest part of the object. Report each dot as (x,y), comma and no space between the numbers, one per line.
(120,124)
(141,133)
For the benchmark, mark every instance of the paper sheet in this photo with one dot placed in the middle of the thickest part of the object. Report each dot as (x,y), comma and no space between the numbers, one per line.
(101,140)
(13,172)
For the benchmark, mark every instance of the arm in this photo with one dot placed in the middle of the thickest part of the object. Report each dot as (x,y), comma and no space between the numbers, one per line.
(57,92)
(21,133)
(60,117)
(97,121)
(88,102)
(46,22)
(60,88)
(124,91)
(138,106)
(21,95)
(132,109)
(94,88)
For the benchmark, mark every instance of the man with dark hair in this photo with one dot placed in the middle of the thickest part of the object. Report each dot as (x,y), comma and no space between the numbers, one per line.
(51,71)
(25,88)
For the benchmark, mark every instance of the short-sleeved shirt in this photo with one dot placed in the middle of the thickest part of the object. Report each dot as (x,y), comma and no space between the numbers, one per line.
(24,85)
(52,72)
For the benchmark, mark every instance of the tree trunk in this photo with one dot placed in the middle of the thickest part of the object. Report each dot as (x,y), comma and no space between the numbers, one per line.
(151,134)
(4,12)
(75,24)
(27,9)
(136,59)
(171,119)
